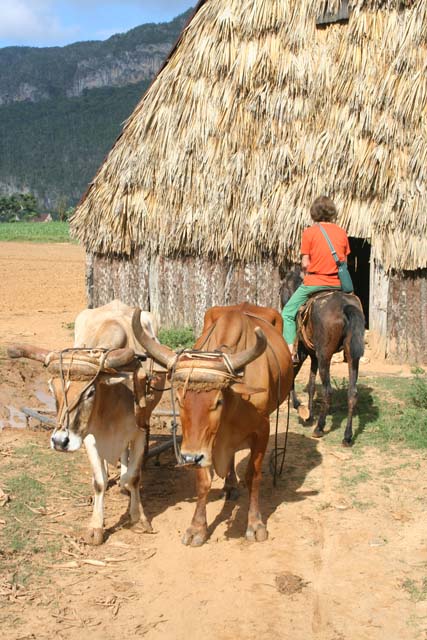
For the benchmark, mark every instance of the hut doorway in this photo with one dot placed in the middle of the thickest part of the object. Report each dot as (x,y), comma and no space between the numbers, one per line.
(359,267)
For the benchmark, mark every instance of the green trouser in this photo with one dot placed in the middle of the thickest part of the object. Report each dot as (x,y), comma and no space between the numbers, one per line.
(290,310)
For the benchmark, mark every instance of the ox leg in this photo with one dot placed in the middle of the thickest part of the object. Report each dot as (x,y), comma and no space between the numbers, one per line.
(131,481)
(324,370)
(353,372)
(95,532)
(256,528)
(124,461)
(231,491)
(197,532)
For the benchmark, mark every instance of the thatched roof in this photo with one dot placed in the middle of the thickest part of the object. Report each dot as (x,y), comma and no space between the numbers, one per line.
(257,112)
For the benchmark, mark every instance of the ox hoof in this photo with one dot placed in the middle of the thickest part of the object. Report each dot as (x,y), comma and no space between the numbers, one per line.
(194,537)
(231,493)
(347,444)
(142,526)
(94,537)
(260,534)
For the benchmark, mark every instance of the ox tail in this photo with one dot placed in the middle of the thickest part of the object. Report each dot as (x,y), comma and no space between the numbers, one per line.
(355,331)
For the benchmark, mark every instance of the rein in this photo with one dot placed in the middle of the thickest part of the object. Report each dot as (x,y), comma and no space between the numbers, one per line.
(276,450)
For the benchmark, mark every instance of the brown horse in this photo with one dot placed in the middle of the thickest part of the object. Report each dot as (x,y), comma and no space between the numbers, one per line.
(334,322)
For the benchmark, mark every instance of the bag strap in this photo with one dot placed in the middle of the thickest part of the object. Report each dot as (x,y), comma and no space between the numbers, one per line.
(331,246)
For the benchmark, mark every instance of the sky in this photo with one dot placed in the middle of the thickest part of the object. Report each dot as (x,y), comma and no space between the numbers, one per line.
(48,23)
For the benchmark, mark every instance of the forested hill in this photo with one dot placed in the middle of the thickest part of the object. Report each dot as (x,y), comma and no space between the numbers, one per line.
(61,108)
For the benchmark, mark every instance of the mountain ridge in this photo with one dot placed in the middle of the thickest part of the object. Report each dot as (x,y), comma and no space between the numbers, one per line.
(62,108)
(40,73)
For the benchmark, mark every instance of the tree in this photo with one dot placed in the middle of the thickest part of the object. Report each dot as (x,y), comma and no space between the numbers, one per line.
(19,206)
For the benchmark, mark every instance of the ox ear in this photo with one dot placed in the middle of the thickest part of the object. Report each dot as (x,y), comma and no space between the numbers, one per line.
(245,390)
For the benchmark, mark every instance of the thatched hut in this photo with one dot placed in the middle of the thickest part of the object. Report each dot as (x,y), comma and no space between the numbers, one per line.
(261,106)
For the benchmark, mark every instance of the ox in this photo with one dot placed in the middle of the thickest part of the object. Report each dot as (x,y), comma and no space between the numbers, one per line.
(223,411)
(100,388)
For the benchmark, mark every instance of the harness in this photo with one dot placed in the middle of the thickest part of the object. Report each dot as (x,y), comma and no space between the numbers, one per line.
(65,378)
(209,360)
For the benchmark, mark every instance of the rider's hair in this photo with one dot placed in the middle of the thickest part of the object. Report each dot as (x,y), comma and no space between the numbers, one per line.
(323,209)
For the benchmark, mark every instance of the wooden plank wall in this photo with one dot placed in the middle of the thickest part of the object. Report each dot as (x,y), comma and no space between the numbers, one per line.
(179,291)
(378,309)
(407,317)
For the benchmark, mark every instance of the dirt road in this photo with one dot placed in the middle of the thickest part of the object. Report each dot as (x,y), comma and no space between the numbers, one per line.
(346,556)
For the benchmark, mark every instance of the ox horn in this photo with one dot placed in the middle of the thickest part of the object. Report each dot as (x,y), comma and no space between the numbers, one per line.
(119,358)
(27,351)
(242,358)
(159,352)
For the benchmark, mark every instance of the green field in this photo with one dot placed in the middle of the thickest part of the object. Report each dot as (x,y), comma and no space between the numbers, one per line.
(34,232)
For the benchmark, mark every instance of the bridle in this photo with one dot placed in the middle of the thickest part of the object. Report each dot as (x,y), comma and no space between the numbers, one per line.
(196,354)
(64,416)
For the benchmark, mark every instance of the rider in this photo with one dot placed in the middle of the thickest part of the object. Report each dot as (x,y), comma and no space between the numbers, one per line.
(318,265)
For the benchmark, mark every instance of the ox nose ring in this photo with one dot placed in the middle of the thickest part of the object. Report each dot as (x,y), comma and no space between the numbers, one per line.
(60,441)
(192,459)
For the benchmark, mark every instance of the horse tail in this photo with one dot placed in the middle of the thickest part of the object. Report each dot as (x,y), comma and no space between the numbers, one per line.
(355,330)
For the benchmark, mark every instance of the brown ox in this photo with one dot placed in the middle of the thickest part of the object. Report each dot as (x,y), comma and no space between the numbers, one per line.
(221,411)
(101,400)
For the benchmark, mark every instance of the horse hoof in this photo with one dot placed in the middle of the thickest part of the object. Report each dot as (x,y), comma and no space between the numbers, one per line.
(231,493)
(94,537)
(303,413)
(347,444)
(317,434)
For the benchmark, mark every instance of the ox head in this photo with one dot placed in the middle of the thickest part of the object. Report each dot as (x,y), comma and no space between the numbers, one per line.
(208,386)
(75,378)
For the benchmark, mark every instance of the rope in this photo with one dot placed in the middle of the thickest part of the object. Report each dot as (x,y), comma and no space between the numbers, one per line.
(275,453)
(67,409)
(174,425)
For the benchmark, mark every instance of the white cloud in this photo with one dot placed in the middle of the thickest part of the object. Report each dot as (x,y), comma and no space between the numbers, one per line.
(32,20)
(58,22)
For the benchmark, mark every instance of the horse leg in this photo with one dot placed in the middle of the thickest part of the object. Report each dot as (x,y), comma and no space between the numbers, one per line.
(353,372)
(324,370)
(314,364)
(302,410)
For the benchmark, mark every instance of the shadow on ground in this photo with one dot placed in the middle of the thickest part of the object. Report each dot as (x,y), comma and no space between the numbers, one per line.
(365,413)
(165,487)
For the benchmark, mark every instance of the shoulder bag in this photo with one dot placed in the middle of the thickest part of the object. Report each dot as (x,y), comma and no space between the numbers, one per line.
(343,273)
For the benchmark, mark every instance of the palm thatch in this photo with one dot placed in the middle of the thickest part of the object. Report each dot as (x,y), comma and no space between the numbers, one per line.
(257,112)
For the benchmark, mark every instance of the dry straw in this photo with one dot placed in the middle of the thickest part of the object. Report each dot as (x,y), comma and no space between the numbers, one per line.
(255,113)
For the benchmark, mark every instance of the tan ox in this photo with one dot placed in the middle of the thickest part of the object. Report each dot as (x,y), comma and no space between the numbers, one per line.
(222,411)
(100,387)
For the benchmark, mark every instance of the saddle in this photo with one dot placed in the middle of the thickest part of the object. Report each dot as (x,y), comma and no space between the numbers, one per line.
(303,319)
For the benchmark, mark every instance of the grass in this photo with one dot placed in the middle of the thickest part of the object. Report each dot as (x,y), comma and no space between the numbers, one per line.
(181,338)
(34,232)
(351,481)
(417,591)
(389,411)
(26,542)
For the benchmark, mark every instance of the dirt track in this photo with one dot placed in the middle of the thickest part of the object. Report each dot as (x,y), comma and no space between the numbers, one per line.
(347,528)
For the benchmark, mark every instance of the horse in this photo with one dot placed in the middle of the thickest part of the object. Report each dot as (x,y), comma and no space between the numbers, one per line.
(329,322)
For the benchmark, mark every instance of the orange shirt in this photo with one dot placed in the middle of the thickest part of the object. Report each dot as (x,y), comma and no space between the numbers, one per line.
(322,270)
